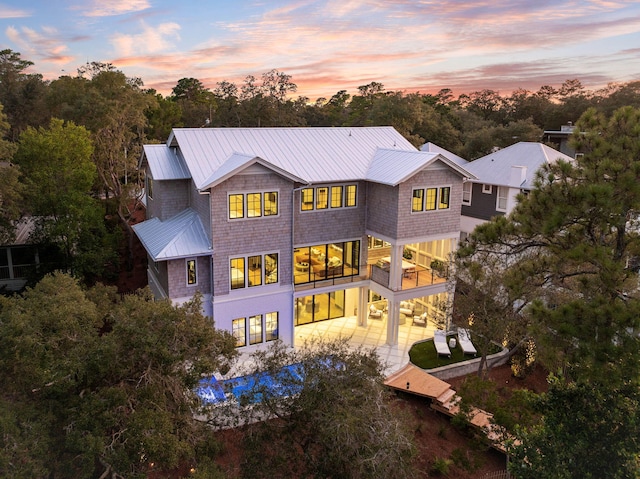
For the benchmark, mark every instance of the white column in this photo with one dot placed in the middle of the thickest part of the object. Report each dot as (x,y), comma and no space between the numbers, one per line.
(363,309)
(393,322)
(395,268)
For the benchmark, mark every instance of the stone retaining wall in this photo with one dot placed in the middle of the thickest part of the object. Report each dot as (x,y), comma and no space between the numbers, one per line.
(470,366)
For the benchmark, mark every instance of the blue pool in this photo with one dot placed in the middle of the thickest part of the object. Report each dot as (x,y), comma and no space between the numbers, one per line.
(286,382)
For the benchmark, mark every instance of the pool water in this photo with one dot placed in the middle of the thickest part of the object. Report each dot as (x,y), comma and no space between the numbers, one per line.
(286,382)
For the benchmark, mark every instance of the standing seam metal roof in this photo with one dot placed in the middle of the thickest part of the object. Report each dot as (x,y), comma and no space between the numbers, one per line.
(315,155)
(495,168)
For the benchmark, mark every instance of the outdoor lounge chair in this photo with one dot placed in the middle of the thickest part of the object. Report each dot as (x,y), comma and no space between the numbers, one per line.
(464,339)
(440,342)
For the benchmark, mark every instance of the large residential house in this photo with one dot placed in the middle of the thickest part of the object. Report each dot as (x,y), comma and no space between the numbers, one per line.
(19,259)
(499,177)
(282,227)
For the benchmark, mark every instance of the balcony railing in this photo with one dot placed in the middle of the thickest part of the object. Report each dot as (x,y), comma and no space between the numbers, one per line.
(414,278)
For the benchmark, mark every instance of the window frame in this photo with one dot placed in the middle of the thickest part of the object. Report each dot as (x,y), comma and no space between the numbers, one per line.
(149,186)
(248,200)
(321,198)
(255,321)
(487,189)
(271,333)
(243,328)
(193,261)
(434,198)
(467,191)
(505,198)
(246,262)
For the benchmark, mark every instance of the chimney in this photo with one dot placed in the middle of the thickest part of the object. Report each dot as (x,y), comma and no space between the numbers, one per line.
(518,175)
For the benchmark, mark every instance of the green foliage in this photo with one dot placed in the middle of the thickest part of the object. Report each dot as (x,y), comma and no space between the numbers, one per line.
(337,424)
(586,432)
(101,384)
(440,466)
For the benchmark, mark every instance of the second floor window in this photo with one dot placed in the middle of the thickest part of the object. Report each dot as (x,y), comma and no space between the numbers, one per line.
(253,205)
(325,197)
(431,199)
(255,270)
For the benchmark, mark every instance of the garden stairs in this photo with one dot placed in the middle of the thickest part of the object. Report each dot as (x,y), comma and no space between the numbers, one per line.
(414,380)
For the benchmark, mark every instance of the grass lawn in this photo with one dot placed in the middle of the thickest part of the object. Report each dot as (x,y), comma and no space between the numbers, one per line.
(424,354)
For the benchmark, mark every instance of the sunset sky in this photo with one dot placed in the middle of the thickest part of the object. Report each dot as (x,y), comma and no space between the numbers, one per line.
(332,45)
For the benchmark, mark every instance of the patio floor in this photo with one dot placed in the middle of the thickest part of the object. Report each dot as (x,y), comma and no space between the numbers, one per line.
(374,335)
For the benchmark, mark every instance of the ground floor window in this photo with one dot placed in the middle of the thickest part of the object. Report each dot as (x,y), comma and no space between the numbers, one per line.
(239,331)
(262,328)
(319,307)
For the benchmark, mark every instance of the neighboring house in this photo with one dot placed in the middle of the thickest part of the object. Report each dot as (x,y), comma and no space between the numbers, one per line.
(499,177)
(280,227)
(560,139)
(433,148)
(18,260)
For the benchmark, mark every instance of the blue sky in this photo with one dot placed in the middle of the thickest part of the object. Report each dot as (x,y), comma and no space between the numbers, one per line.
(332,45)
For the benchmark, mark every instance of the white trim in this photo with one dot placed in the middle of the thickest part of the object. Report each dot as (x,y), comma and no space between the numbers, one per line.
(487,189)
(470,193)
(505,189)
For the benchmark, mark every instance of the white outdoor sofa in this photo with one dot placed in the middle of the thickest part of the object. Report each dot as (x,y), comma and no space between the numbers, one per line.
(440,342)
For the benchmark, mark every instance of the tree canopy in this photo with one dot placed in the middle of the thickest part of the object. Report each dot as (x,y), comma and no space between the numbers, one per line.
(94,385)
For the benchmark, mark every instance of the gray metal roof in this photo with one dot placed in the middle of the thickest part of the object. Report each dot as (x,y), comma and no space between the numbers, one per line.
(178,237)
(392,167)
(315,155)
(237,162)
(165,164)
(433,148)
(496,168)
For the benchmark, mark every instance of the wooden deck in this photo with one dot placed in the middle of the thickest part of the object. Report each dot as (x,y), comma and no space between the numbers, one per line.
(416,381)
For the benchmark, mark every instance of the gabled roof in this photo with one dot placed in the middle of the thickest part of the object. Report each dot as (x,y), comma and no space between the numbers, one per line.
(433,148)
(496,168)
(165,164)
(238,162)
(314,155)
(180,236)
(392,167)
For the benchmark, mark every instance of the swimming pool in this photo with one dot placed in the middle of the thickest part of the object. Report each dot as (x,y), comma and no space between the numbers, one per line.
(247,389)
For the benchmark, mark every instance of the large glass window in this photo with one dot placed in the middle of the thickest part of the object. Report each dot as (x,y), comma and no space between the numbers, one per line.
(236,206)
(417,204)
(254,205)
(326,261)
(255,329)
(239,331)
(336,196)
(271,326)
(192,277)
